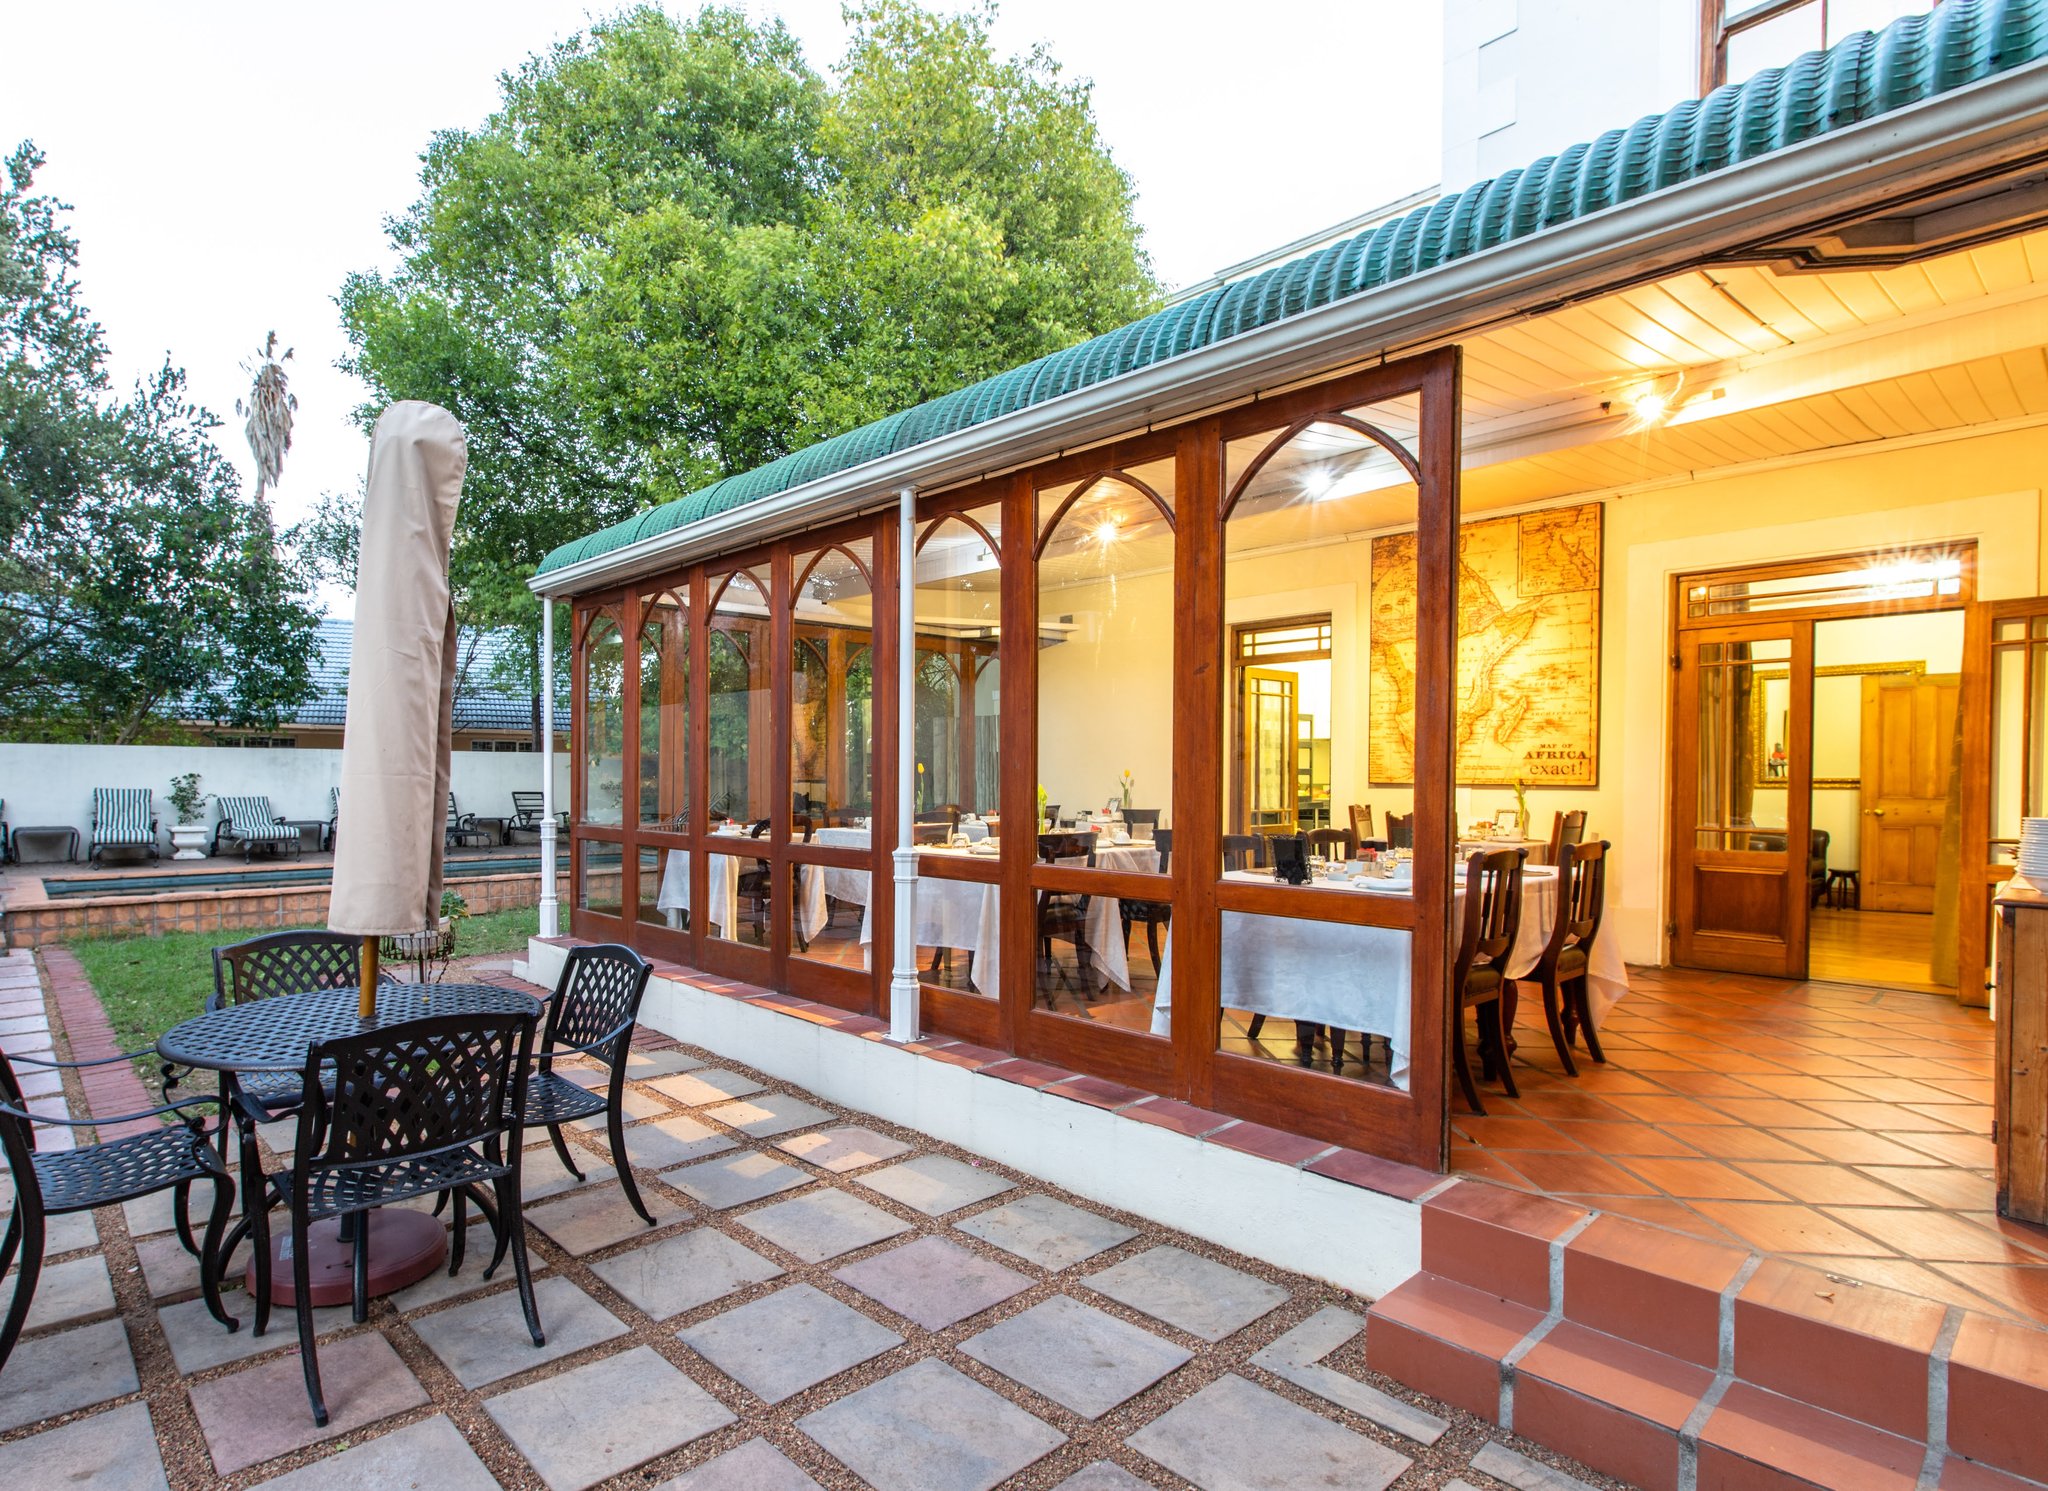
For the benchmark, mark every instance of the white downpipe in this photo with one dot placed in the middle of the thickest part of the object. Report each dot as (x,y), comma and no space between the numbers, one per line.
(903,987)
(550,910)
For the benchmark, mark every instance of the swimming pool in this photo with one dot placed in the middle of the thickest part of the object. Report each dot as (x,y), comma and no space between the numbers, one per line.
(72,888)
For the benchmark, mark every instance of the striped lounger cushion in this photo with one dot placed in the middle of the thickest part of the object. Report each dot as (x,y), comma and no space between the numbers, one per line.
(121,817)
(252,819)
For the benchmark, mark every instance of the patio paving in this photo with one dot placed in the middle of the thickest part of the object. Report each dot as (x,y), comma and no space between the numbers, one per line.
(849,1307)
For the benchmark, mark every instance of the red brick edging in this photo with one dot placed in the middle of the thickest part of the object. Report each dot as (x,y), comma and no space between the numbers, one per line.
(83,1025)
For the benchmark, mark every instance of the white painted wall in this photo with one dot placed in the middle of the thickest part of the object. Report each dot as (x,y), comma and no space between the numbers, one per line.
(1525,78)
(53,784)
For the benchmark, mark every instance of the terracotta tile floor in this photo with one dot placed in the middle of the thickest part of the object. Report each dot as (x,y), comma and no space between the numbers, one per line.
(1846,1127)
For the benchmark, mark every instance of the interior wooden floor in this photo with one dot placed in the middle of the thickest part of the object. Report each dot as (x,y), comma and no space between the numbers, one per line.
(1891,949)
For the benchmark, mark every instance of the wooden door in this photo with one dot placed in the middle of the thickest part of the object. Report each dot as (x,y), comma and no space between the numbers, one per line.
(1908,758)
(1741,819)
(1272,713)
(2004,705)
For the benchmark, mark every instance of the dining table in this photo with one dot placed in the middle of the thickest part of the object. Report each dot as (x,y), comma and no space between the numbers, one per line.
(272,1036)
(724,868)
(1358,978)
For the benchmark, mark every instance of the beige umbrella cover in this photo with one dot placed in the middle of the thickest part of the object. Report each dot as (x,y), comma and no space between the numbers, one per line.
(401,683)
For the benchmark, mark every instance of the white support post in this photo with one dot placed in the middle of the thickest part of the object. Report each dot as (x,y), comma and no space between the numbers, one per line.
(550,909)
(904,994)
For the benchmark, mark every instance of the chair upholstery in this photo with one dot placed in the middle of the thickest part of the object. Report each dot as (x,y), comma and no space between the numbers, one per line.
(254,824)
(169,1157)
(123,818)
(1492,914)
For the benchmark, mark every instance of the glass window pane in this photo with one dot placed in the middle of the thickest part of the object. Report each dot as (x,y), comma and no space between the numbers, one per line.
(1773,43)
(738,905)
(661,902)
(1846,17)
(1322,994)
(665,711)
(958,606)
(829,920)
(1100,956)
(604,723)
(832,686)
(597,877)
(1105,645)
(735,773)
(2008,741)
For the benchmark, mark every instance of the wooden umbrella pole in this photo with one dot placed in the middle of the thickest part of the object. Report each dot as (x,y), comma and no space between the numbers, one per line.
(367,1008)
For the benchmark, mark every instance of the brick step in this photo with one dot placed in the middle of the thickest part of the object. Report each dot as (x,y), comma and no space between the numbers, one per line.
(1672,1362)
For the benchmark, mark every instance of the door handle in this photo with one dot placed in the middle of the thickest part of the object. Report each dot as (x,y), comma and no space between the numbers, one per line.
(1877,812)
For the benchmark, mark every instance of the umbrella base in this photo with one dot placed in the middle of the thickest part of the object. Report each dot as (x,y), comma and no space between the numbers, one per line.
(405,1246)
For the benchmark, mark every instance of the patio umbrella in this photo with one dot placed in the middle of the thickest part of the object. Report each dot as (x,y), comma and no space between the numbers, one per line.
(401,687)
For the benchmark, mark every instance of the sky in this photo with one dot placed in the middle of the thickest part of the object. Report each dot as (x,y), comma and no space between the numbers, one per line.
(229,163)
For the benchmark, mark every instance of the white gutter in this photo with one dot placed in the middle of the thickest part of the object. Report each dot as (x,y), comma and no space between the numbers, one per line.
(1958,134)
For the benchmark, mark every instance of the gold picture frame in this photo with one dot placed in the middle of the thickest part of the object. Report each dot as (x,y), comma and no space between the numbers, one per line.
(1761,737)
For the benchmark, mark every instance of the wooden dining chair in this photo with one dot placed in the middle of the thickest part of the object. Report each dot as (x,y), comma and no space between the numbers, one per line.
(1565,828)
(1143,818)
(1562,970)
(1154,914)
(1400,830)
(1361,822)
(1492,915)
(1062,914)
(1323,840)
(753,885)
(1243,852)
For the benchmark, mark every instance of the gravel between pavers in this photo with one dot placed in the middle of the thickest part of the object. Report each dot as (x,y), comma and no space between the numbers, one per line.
(189,1468)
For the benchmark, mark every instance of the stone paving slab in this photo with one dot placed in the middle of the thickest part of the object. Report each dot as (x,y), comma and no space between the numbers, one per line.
(674,1141)
(1193,1293)
(111,1451)
(483,1340)
(66,1371)
(67,1233)
(634,1105)
(936,1184)
(823,1224)
(1047,1232)
(1297,1355)
(157,1213)
(1103,1475)
(769,1114)
(684,1271)
(930,1427)
(441,1285)
(431,1455)
(849,1147)
(755,1466)
(1076,1355)
(736,1179)
(68,1293)
(787,1341)
(261,1412)
(1524,1474)
(605,1418)
(706,1085)
(933,1282)
(585,1220)
(198,1341)
(642,1065)
(1235,1436)
(542,1173)
(167,1268)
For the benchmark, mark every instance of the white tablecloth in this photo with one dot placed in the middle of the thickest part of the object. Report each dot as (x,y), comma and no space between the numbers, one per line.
(1105,913)
(674,896)
(1357,978)
(962,914)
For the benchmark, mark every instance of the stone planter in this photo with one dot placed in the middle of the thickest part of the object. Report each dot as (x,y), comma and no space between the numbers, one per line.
(189,839)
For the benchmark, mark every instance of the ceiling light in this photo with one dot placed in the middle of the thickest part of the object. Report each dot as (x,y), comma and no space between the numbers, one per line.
(1651,404)
(1105,532)
(1316,484)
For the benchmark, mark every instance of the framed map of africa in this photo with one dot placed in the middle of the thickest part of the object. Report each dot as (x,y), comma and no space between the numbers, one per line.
(1528,652)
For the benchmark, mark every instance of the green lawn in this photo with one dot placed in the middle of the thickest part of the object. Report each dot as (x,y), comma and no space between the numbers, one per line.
(149,984)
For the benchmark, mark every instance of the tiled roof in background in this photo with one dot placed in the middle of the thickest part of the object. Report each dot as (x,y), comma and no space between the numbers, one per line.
(1864,75)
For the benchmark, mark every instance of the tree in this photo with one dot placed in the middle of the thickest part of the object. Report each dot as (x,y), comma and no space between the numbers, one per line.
(135,582)
(675,253)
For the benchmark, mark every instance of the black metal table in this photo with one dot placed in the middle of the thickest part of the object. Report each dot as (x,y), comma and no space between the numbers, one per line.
(273,1035)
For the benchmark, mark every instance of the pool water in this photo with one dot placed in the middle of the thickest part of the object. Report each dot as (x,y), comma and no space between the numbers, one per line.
(283,875)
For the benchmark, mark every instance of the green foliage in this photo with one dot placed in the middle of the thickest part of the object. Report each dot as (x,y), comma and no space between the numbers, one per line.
(134,577)
(186,798)
(675,253)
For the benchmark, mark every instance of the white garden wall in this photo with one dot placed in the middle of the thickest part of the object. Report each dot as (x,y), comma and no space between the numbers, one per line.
(53,784)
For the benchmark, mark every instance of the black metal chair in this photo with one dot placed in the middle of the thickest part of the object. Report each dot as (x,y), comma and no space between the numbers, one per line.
(417,1108)
(596,1005)
(168,1158)
(753,884)
(1154,914)
(1561,971)
(1492,915)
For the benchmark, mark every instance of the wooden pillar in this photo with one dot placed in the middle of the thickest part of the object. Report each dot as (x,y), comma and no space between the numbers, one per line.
(2020,1072)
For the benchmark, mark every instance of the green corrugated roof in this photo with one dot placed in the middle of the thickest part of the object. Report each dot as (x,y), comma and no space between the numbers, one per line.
(1864,75)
